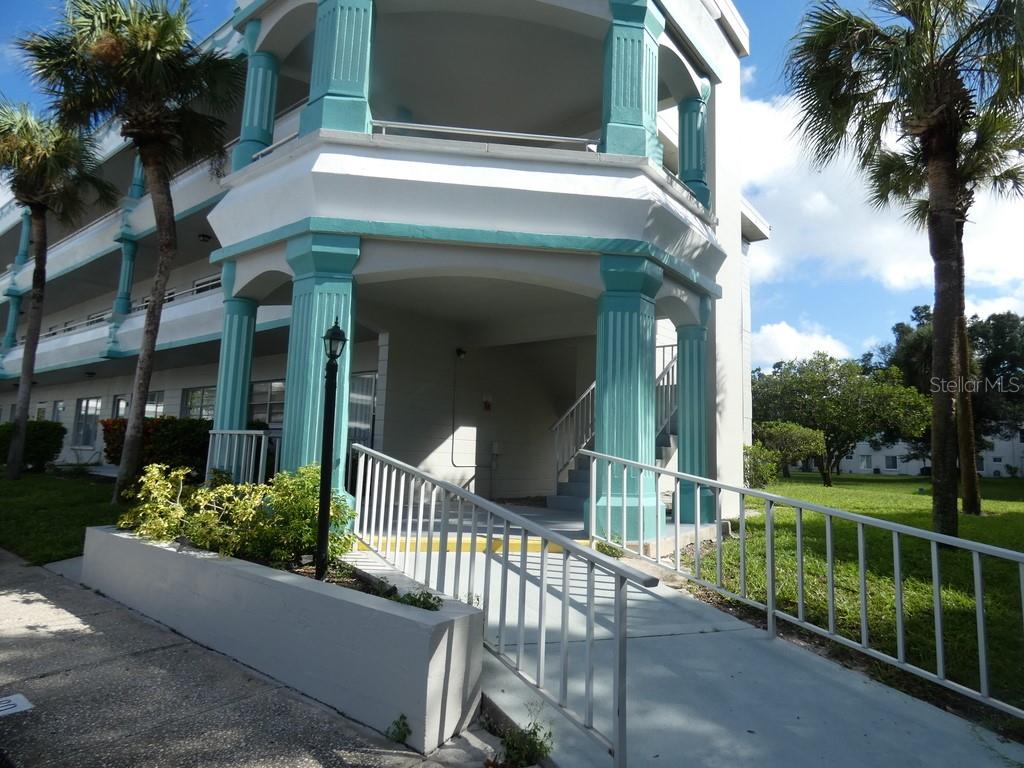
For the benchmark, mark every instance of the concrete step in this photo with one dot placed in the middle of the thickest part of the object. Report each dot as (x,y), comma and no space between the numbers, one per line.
(574,489)
(579,475)
(567,503)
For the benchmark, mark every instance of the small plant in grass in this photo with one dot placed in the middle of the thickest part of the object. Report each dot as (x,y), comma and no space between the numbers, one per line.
(424,599)
(522,747)
(609,549)
(1011,470)
(399,730)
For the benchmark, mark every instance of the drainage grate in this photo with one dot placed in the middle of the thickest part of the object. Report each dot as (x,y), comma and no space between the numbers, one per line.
(13,703)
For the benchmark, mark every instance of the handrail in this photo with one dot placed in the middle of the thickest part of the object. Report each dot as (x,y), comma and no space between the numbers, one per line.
(853,517)
(277,144)
(573,407)
(624,495)
(609,564)
(114,213)
(485,133)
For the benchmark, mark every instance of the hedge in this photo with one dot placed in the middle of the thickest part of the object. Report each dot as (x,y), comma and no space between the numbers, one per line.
(43,442)
(165,440)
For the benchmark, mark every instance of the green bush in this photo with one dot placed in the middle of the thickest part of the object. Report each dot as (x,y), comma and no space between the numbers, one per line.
(760,465)
(272,523)
(43,442)
(165,440)
(522,747)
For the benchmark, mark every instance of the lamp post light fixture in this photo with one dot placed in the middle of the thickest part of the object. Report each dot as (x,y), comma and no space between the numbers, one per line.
(334,345)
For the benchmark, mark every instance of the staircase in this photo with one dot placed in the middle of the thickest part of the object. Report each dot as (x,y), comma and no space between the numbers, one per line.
(574,431)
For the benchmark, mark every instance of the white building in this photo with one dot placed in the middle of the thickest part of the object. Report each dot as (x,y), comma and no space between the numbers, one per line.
(891,460)
(504,203)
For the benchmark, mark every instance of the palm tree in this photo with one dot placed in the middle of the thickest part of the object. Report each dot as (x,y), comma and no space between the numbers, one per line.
(920,73)
(134,61)
(990,158)
(52,170)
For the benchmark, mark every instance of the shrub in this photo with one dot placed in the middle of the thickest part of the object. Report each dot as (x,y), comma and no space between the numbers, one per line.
(165,440)
(271,523)
(1012,470)
(760,465)
(43,442)
(522,747)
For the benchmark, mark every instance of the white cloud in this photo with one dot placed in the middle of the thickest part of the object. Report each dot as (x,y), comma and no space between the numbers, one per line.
(781,341)
(748,74)
(821,219)
(1014,302)
(870,342)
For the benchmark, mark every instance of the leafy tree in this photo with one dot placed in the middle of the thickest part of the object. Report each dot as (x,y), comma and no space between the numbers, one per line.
(52,170)
(837,398)
(135,61)
(946,78)
(791,441)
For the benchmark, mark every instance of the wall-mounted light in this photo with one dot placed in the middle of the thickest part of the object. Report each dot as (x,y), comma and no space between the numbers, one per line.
(204,237)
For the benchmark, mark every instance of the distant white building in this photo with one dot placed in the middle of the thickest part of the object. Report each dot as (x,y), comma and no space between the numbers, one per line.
(891,460)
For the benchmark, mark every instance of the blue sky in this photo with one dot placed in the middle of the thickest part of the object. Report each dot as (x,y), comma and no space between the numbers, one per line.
(836,274)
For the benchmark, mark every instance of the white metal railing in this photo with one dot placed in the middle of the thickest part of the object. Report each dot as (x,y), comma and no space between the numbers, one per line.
(78,325)
(245,454)
(666,390)
(404,515)
(575,428)
(582,143)
(173,294)
(610,509)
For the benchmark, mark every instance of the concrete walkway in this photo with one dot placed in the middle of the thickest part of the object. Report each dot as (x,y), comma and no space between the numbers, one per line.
(706,689)
(112,689)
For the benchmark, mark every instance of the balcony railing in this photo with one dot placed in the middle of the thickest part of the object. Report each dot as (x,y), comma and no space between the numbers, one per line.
(509,137)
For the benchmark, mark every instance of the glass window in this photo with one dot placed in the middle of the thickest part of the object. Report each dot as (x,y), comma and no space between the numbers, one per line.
(891,462)
(120,409)
(87,417)
(154,406)
(865,461)
(197,403)
(57,413)
(40,411)
(981,463)
(997,459)
(266,403)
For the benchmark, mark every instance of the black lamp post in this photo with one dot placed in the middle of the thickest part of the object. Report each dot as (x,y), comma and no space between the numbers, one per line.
(334,345)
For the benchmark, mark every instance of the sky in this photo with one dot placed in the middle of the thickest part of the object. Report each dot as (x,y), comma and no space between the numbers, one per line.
(836,274)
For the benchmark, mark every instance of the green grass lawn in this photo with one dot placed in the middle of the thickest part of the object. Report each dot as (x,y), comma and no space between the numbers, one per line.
(43,517)
(902,500)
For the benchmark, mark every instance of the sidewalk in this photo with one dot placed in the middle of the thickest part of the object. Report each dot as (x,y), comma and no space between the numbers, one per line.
(112,689)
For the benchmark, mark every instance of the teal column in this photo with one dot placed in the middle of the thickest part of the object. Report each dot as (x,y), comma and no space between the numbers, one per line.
(24,239)
(630,101)
(258,109)
(693,150)
(138,186)
(322,291)
(231,409)
(692,456)
(624,417)
(339,91)
(13,310)
(123,300)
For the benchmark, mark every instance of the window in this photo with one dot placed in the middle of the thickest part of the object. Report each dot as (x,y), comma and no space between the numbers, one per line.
(981,463)
(849,457)
(266,403)
(891,462)
(154,406)
(197,403)
(997,459)
(57,413)
(40,411)
(865,461)
(87,417)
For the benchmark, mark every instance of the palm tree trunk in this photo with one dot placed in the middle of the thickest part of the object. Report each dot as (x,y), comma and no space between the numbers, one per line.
(943,244)
(16,451)
(970,488)
(159,184)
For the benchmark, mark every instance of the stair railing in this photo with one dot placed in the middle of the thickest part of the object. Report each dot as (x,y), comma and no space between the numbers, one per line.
(666,392)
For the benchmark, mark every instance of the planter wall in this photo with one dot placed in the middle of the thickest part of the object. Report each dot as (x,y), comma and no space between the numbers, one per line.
(370,658)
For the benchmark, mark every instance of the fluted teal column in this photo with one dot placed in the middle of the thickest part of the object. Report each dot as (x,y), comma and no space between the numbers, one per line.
(123,300)
(25,237)
(693,149)
(138,185)
(13,310)
(624,417)
(339,91)
(322,291)
(231,410)
(692,414)
(630,102)
(258,109)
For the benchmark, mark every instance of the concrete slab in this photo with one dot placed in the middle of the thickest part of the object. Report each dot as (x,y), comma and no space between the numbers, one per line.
(70,569)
